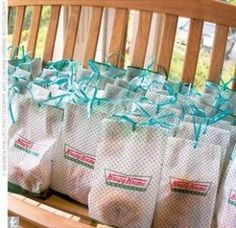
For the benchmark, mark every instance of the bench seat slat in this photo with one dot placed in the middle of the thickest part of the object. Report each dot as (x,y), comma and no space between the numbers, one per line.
(38,216)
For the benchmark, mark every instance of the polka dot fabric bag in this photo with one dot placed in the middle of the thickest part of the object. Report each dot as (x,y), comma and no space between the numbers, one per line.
(212,135)
(226,200)
(75,156)
(105,74)
(33,66)
(19,61)
(188,185)
(115,96)
(31,142)
(126,174)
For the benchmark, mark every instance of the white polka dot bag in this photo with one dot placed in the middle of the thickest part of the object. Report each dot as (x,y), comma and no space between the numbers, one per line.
(126,174)
(222,124)
(113,98)
(33,66)
(226,199)
(213,135)
(75,156)
(117,93)
(31,141)
(221,139)
(189,183)
(231,148)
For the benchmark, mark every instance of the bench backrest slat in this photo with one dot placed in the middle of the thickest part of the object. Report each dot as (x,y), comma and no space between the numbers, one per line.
(19,21)
(218,53)
(51,33)
(34,29)
(223,13)
(141,43)
(192,50)
(118,36)
(9,13)
(167,42)
(71,32)
(234,83)
(93,34)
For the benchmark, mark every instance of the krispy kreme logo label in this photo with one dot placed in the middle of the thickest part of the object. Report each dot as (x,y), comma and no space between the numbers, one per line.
(232,197)
(28,146)
(189,187)
(79,157)
(120,180)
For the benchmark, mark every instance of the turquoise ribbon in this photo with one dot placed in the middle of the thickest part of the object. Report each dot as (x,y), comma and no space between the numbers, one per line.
(96,72)
(144,112)
(60,79)
(15,90)
(24,56)
(197,130)
(58,65)
(111,66)
(219,98)
(160,120)
(91,102)
(150,122)
(127,119)
(225,84)
(219,116)
(146,71)
(167,102)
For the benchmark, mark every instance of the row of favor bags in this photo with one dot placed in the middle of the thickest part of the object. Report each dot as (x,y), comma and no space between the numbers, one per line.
(150,162)
(127,170)
(127,167)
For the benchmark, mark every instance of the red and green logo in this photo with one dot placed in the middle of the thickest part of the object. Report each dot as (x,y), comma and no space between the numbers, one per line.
(131,182)
(189,187)
(79,157)
(28,146)
(232,197)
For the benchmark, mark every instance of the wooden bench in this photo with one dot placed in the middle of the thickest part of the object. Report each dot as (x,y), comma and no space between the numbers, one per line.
(219,13)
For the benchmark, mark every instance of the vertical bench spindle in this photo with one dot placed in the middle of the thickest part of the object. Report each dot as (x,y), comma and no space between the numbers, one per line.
(34,29)
(118,37)
(71,33)
(18,25)
(167,43)
(51,33)
(234,83)
(218,53)
(192,51)
(142,37)
(93,35)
